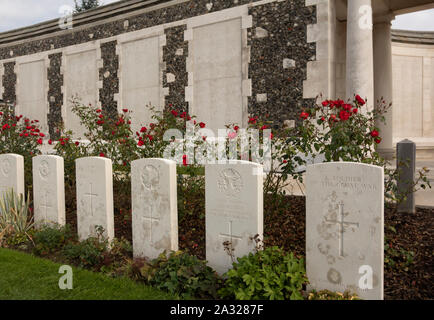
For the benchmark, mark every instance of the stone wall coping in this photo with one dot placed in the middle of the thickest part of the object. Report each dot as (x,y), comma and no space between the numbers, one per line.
(417,37)
(89,17)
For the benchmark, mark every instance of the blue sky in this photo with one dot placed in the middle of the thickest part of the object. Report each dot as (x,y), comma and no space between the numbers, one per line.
(20,13)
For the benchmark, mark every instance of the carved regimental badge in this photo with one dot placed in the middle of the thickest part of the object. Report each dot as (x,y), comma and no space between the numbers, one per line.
(150,178)
(230,182)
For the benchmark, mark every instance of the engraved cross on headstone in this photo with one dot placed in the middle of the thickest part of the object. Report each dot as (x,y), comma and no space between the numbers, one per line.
(45,205)
(230,235)
(150,219)
(342,227)
(90,194)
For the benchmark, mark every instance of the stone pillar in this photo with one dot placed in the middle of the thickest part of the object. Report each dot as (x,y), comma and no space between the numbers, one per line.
(383,82)
(406,164)
(360,61)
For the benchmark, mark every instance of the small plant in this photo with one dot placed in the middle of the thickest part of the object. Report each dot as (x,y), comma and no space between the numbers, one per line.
(268,274)
(98,253)
(15,220)
(329,295)
(88,253)
(394,256)
(52,238)
(180,274)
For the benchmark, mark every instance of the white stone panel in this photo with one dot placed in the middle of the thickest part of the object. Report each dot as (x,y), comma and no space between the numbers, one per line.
(140,77)
(48,190)
(407,96)
(80,80)
(345,228)
(94,196)
(154,207)
(217,69)
(32,92)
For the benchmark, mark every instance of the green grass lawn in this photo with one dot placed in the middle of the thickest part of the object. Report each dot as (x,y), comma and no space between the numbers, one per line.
(25,277)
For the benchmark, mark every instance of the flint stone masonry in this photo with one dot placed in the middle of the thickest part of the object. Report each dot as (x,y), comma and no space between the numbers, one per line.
(234,211)
(94,196)
(48,190)
(285,22)
(11,173)
(345,227)
(154,207)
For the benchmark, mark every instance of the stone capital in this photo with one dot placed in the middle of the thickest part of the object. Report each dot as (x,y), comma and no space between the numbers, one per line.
(383,19)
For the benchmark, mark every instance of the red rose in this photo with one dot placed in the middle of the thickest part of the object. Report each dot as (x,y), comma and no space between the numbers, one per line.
(39,141)
(304,115)
(102,154)
(355,110)
(202,125)
(360,100)
(253,120)
(325,103)
(101,116)
(150,137)
(374,133)
(344,115)
(184,160)
(100,122)
(264,127)
(140,143)
(333,117)
(77,143)
(377,140)
(41,134)
(175,113)
(236,128)
(322,119)
(347,107)
(98,110)
(125,110)
(50,142)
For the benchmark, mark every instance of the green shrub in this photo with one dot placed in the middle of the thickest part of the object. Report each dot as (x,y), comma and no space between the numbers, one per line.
(180,274)
(98,253)
(88,253)
(51,238)
(268,274)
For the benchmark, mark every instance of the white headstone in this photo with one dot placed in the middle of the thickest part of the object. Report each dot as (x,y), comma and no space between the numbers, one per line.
(94,196)
(154,207)
(48,190)
(345,228)
(234,211)
(11,173)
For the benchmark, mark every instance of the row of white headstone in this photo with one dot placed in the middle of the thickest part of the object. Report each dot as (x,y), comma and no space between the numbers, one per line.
(344,212)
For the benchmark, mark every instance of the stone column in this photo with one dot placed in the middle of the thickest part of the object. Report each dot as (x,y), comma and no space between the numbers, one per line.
(383,81)
(360,62)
